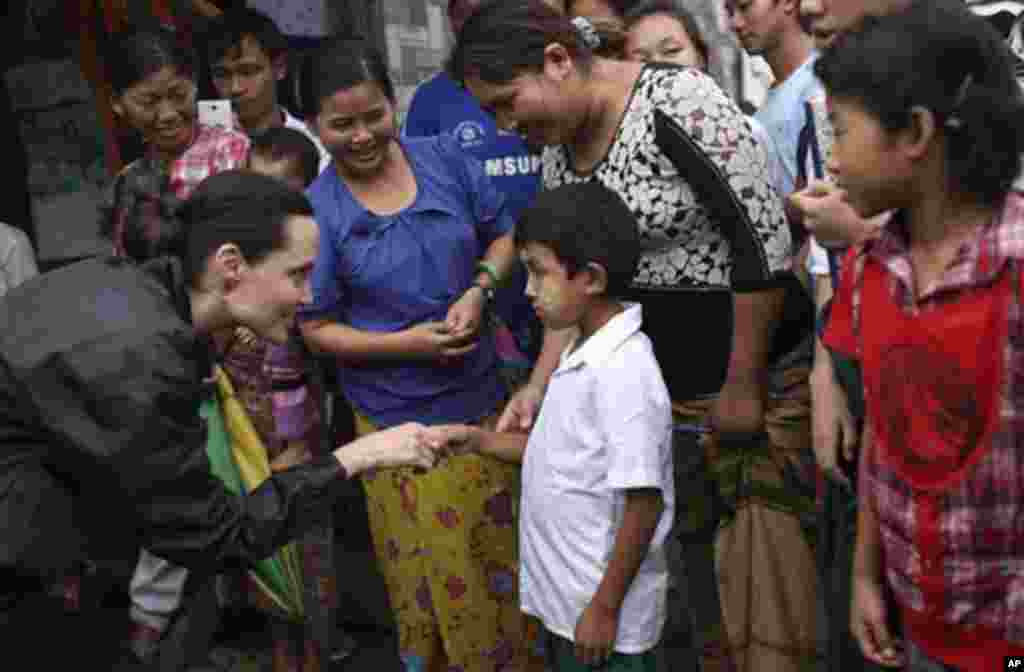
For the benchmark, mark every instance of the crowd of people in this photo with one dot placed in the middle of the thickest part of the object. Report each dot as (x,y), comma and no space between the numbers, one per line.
(562,471)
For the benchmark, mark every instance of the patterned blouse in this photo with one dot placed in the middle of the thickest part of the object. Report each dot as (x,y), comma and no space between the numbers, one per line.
(682,244)
(687,262)
(141,202)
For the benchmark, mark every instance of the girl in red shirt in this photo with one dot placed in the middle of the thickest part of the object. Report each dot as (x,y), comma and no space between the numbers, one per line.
(929,123)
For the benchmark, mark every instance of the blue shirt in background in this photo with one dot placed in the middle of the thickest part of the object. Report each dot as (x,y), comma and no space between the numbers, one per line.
(783,117)
(440,105)
(386,273)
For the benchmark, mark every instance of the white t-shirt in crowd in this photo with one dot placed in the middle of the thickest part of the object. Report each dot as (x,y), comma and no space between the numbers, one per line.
(605,427)
(817,258)
(298,125)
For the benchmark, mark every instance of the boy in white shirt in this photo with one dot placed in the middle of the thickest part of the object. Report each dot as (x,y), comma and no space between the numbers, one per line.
(597,498)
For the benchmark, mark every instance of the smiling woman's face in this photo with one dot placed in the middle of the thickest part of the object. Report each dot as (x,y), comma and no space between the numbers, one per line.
(357,126)
(161,108)
(269,293)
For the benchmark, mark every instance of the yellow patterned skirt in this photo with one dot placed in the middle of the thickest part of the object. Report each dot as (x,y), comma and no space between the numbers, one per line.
(447,543)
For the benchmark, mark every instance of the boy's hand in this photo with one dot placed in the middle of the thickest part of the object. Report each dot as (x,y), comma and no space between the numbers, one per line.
(452,440)
(595,634)
(521,410)
(868,623)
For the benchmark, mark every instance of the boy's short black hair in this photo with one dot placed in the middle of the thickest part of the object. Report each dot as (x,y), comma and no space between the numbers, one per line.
(582,224)
(225,33)
(281,142)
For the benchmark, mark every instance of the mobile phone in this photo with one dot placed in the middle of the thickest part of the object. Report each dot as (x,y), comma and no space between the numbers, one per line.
(216,113)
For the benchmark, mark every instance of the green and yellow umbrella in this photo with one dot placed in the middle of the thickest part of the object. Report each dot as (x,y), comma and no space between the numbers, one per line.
(239,459)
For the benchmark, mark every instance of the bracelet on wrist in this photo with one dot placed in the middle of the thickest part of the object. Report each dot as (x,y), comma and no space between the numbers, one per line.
(490,270)
(488,292)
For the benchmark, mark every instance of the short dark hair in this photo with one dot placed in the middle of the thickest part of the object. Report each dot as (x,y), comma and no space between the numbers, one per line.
(240,207)
(674,9)
(584,223)
(939,55)
(506,38)
(342,63)
(134,55)
(620,7)
(283,143)
(225,33)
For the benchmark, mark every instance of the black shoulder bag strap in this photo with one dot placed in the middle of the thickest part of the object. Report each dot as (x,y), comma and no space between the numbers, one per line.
(809,135)
(750,266)
(750,270)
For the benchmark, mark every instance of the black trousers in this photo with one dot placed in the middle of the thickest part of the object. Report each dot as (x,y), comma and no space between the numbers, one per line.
(38,634)
(36,628)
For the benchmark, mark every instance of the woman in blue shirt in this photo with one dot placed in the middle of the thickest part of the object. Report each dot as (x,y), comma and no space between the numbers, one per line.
(414,240)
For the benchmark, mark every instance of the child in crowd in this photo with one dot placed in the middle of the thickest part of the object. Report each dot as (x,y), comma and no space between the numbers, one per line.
(286,154)
(933,310)
(597,494)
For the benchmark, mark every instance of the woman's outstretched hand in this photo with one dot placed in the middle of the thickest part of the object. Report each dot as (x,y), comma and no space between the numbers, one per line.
(406,445)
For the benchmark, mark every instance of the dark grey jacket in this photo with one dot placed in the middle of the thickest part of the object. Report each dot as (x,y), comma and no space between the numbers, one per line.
(101,445)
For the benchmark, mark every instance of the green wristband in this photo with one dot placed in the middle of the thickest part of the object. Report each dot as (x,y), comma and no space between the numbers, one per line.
(490,270)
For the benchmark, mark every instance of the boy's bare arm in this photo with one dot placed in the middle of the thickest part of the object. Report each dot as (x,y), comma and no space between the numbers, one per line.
(505,446)
(597,627)
(462,439)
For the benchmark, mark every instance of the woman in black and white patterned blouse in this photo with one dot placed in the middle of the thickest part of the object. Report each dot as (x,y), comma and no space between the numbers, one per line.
(716,264)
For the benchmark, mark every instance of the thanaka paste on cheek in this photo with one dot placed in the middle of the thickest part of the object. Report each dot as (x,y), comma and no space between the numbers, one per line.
(549,297)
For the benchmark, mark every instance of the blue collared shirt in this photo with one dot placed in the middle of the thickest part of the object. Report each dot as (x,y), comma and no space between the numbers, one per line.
(386,273)
(782,116)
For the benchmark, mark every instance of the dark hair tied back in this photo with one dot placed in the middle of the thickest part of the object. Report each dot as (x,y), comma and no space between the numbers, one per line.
(503,39)
(339,64)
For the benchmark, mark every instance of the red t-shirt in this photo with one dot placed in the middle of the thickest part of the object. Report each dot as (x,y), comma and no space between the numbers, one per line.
(944,379)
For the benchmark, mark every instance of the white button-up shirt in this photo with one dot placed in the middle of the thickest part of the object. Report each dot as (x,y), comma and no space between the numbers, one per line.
(298,125)
(605,427)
